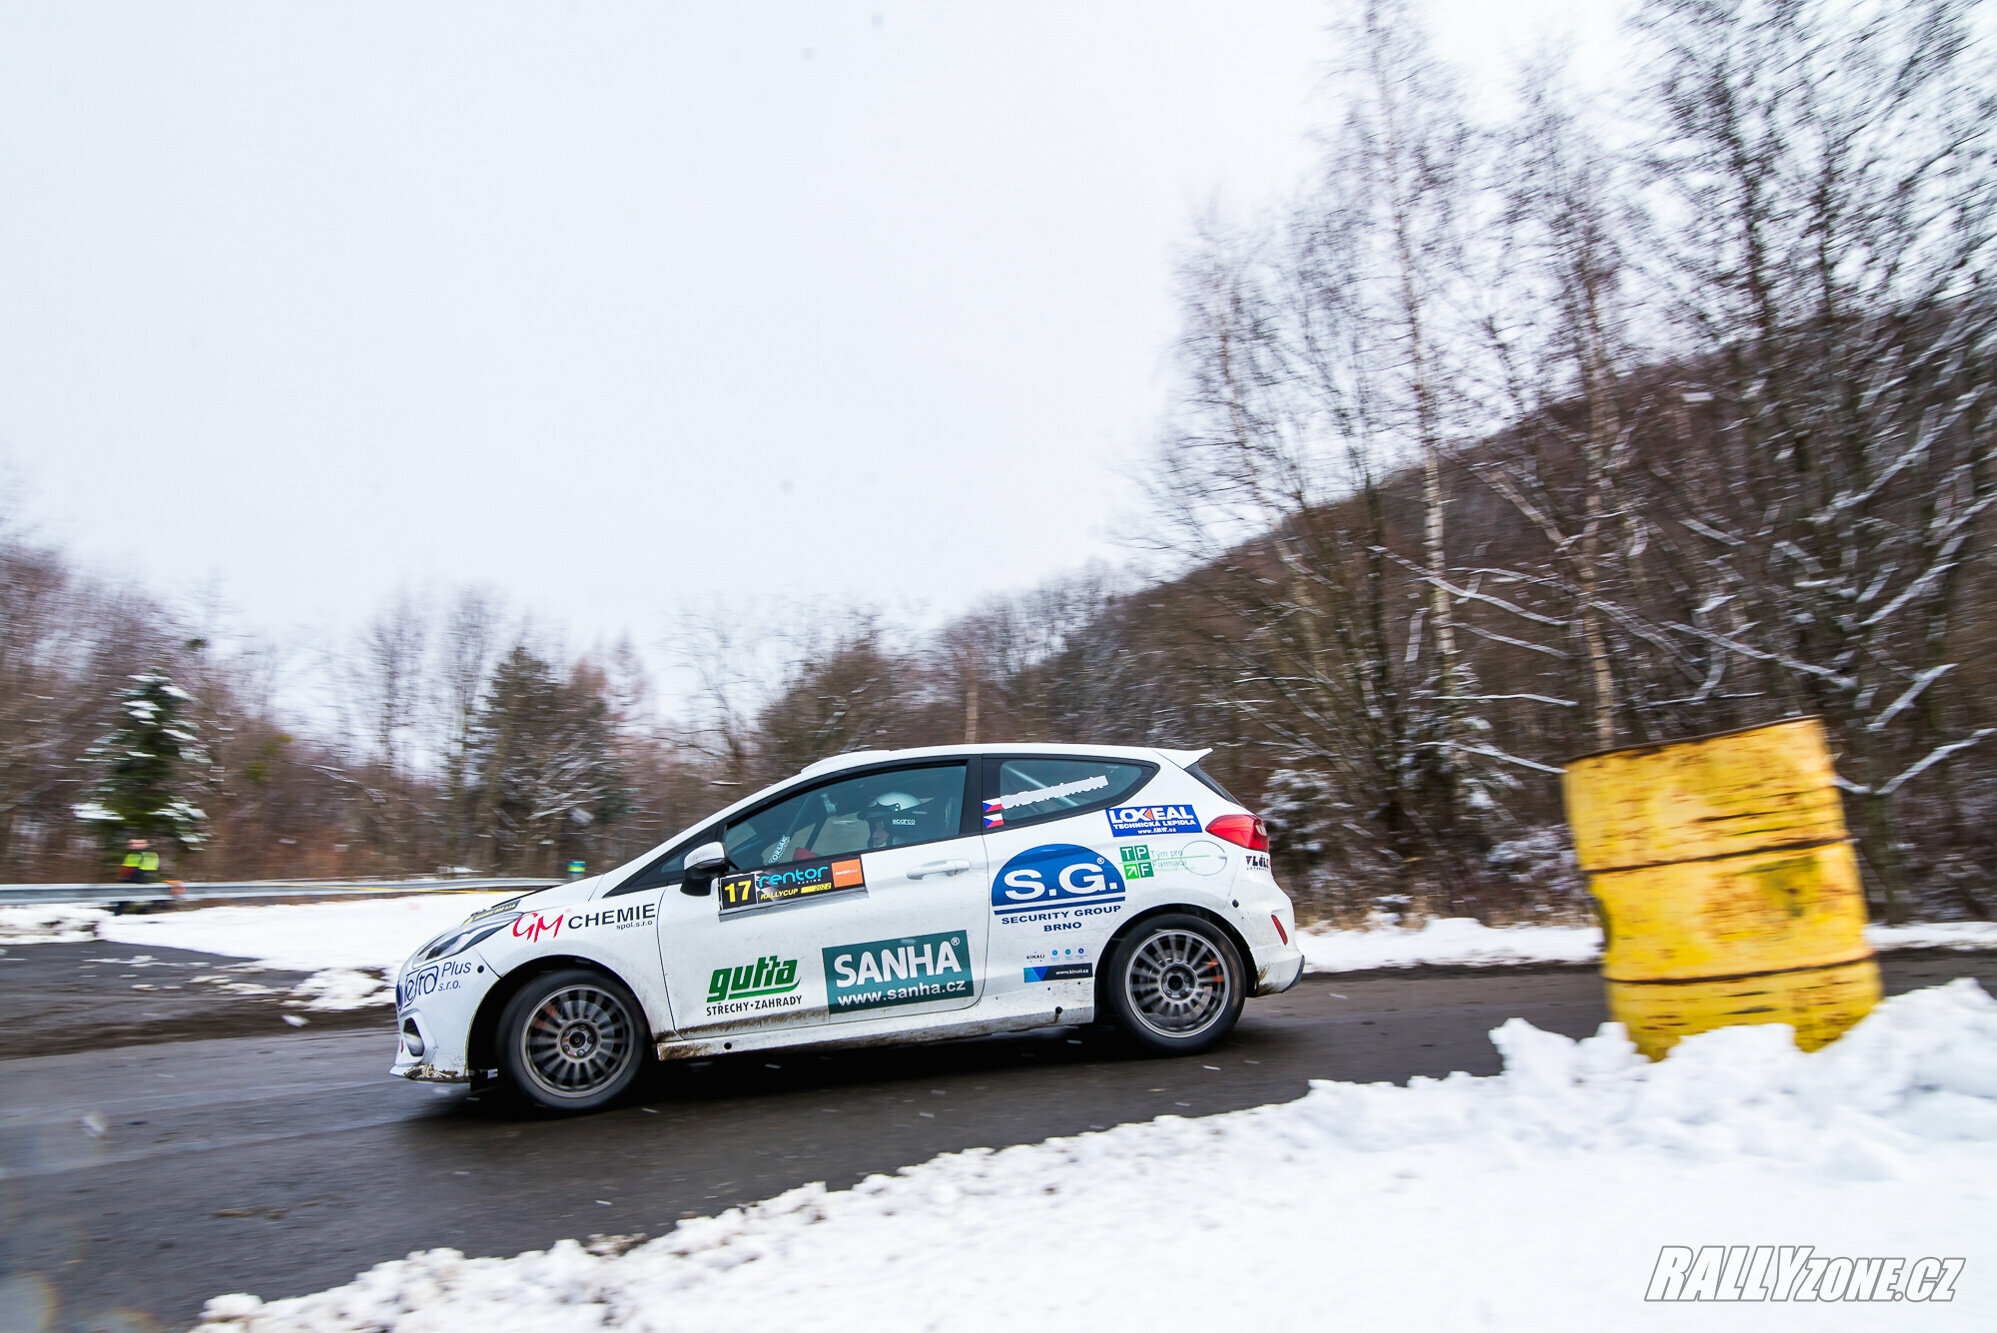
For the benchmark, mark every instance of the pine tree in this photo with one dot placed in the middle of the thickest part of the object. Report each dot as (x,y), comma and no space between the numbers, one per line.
(145,770)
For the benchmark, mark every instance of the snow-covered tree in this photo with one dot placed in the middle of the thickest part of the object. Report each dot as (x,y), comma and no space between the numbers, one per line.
(148,768)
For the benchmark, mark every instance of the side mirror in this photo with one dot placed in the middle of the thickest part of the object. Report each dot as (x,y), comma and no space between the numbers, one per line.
(703,863)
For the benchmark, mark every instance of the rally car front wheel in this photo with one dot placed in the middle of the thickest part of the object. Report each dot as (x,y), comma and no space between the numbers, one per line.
(1176,984)
(572,1040)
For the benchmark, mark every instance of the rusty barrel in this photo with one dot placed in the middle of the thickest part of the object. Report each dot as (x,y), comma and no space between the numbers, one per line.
(1728,889)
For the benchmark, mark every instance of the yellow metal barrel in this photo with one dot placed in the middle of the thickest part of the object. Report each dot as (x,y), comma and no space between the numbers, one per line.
(1727,885)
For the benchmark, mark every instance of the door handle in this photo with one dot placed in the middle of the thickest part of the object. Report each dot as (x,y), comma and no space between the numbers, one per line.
(939,868)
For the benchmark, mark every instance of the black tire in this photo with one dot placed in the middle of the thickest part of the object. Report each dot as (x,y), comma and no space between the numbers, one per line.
(572,1040)
(1176,984)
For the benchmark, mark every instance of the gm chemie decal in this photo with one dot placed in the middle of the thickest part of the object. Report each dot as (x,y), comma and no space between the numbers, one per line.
(792,883)
(910,969)
(1056,887)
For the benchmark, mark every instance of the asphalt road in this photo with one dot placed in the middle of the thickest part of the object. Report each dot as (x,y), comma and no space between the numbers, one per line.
(141,1180)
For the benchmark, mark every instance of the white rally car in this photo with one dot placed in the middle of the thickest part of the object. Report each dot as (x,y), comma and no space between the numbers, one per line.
(879,896)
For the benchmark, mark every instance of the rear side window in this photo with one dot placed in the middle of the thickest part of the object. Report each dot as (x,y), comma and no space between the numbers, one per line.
(1206,780)
(1026,791)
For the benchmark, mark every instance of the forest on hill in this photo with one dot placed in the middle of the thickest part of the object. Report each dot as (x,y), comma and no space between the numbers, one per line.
(1509,437)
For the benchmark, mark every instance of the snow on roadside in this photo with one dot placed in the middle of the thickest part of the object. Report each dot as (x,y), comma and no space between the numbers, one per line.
(372,933)
(1459,941)
(1452,941)
(50,923)
(351,948)
(1537,1198)
(1935,935)
(376,934)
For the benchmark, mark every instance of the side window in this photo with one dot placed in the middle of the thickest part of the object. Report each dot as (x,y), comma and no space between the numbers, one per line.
(892,808)
(669,871)
(1030,790)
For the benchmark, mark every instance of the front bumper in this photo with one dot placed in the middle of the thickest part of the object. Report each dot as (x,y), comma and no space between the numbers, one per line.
(439,1001)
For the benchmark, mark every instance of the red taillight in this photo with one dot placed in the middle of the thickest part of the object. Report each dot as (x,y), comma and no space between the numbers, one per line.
(1281,934)
(1242,830)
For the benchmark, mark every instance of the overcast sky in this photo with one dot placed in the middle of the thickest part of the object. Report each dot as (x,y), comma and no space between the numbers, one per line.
(620,308)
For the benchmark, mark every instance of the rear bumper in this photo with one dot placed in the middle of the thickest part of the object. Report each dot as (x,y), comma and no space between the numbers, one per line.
(1276,970)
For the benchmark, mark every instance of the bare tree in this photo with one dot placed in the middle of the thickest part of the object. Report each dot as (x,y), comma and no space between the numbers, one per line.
(1830,171)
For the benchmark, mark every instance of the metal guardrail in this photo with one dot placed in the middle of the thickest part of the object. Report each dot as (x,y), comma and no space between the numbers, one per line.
(16,894)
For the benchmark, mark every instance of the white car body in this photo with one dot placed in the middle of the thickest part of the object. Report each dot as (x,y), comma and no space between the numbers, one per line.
(996,929)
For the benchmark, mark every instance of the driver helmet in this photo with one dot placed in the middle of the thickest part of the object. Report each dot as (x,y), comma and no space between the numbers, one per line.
(884,813)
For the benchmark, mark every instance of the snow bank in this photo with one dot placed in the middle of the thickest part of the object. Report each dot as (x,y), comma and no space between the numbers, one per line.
(1534,1199)
(352,948)
(50,923)
(1455,940)
(1937,935)
(1459,941)
(374,933)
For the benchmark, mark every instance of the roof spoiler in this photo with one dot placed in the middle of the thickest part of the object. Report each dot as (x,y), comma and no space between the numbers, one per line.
(1186,758)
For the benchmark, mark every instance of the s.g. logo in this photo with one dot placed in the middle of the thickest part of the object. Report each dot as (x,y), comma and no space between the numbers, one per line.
(1056,875)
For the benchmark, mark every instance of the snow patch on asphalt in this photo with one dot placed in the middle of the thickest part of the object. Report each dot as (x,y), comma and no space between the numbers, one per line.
(342,988)
(1533,1199)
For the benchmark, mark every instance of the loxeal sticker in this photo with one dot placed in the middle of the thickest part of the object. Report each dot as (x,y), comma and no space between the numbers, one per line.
(1144,821)
(793,883)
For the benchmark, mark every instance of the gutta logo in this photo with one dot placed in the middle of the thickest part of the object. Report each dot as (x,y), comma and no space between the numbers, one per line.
(769,975)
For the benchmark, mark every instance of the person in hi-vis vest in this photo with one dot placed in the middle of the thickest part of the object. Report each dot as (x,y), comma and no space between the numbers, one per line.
(141,863)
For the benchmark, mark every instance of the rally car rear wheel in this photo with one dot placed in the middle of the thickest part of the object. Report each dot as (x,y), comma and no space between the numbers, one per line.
(572,1040)
(1175,984)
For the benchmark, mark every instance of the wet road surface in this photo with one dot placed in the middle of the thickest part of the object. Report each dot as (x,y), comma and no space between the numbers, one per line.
(141,1180)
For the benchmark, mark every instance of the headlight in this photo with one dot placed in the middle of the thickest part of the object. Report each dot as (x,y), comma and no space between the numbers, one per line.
(461,939)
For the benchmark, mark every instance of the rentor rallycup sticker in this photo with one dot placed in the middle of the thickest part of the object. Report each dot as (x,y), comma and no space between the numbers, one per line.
(1143,821)
(911,969)
(792,883)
